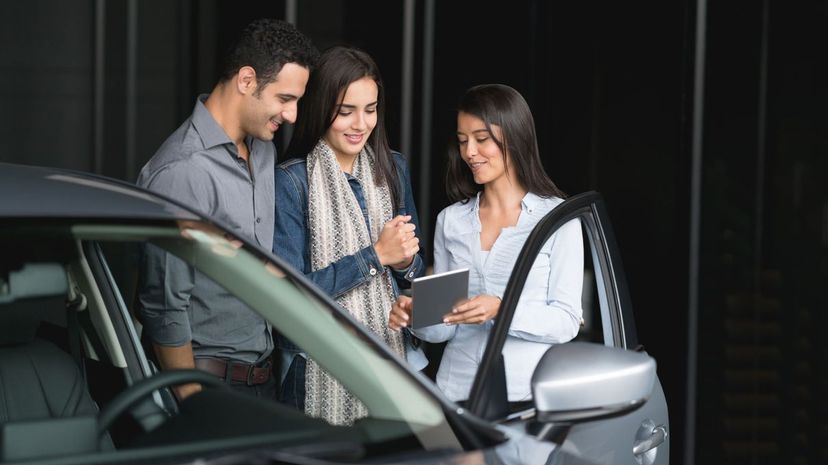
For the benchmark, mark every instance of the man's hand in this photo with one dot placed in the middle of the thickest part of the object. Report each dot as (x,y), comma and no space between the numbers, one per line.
(397,243)
(477,310)
(400,313)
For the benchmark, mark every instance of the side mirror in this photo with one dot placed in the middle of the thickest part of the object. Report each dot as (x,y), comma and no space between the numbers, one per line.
(580,381)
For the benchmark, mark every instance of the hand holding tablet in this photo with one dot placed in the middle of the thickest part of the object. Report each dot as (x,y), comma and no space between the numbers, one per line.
(437,295)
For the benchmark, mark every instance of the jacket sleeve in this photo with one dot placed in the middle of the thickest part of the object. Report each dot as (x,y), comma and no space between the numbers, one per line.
(416,269)
(291,242)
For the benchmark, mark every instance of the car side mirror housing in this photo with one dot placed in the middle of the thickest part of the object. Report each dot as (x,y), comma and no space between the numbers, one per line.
(580,381)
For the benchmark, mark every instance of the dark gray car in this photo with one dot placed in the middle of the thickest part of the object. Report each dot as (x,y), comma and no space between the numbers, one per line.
(76,385)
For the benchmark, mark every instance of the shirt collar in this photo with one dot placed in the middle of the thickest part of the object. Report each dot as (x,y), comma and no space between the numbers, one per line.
(529,202)
(476,204)
(212,134)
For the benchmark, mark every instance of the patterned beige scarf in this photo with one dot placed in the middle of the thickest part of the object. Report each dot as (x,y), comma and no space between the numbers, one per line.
(337,229)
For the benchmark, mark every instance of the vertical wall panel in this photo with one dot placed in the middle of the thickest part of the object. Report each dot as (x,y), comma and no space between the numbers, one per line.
(46,83)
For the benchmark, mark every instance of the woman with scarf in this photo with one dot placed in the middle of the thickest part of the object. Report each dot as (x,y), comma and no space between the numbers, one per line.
(345,216)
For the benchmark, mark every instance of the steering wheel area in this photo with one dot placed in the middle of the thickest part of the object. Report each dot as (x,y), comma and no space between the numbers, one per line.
(138,391)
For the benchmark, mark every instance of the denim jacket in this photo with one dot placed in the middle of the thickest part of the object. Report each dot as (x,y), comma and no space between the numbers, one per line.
(291,243)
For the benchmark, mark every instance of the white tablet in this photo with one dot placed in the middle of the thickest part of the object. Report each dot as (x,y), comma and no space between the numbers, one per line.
(436,295)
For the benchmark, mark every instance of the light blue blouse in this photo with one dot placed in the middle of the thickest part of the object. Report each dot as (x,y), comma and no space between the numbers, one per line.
(549,309)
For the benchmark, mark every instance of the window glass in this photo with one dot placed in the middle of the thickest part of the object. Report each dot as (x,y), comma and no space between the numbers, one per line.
(591,326)
(398,407)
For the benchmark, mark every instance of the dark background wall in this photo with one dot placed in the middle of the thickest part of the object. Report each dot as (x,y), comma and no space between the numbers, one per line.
(45,83)
(762,362)
(97,85)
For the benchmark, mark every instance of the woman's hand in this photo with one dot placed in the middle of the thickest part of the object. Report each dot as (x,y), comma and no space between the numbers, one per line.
(477,310)
(397,243)
(400,313)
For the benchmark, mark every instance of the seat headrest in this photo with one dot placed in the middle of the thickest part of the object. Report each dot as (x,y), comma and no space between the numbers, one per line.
(33,280)
(27,297)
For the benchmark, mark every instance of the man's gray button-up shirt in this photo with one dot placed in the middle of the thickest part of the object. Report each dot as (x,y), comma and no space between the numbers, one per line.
(199,166)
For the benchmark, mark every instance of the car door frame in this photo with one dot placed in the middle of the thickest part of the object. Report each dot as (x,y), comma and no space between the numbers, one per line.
(152,411)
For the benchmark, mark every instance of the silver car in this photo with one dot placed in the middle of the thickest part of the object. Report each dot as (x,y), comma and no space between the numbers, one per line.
(77,386)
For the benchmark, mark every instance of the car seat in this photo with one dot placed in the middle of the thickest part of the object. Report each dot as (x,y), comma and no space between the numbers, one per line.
(43,393)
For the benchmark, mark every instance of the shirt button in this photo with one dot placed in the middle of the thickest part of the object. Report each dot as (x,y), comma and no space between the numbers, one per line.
(258,220)
(411,274)
(372,271)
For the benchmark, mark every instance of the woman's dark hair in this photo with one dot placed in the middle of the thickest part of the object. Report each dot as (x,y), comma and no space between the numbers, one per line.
(337,68)
(502,106)
(267,45)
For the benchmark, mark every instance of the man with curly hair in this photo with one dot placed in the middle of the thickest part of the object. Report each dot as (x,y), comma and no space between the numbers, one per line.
(220,161)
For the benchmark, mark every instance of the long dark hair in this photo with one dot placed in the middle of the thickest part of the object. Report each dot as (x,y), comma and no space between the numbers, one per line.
(337,68)
(502,106)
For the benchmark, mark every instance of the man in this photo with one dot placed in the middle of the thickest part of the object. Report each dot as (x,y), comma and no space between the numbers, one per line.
(221,162)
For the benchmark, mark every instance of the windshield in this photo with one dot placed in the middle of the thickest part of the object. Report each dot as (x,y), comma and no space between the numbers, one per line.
(103,263)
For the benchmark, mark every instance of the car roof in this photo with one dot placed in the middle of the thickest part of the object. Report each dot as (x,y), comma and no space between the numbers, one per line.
(40,192)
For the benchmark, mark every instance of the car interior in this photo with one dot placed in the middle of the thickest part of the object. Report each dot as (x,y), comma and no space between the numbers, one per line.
(55,368)
(42,371)
(40,380)
(70,371)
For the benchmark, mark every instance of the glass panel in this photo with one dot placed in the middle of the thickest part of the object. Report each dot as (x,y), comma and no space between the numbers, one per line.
(397,406)
(592,324)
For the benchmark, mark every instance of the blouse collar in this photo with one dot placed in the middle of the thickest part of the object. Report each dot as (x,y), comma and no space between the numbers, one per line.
(529,202)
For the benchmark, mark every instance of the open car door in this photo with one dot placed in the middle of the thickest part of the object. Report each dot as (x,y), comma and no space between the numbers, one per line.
(597,397)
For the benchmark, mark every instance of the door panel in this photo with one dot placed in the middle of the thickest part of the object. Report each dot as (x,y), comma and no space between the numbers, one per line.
(612,440)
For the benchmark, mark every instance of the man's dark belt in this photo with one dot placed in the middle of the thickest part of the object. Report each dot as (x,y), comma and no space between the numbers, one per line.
(239,372)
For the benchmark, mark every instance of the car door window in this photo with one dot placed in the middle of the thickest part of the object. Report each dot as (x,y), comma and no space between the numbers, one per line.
(591,329)
(108,256)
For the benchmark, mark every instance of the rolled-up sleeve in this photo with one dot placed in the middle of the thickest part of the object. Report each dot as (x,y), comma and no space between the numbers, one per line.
(167,281)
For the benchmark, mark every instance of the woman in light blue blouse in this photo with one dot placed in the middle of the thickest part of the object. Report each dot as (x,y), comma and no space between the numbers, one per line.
(500,190)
